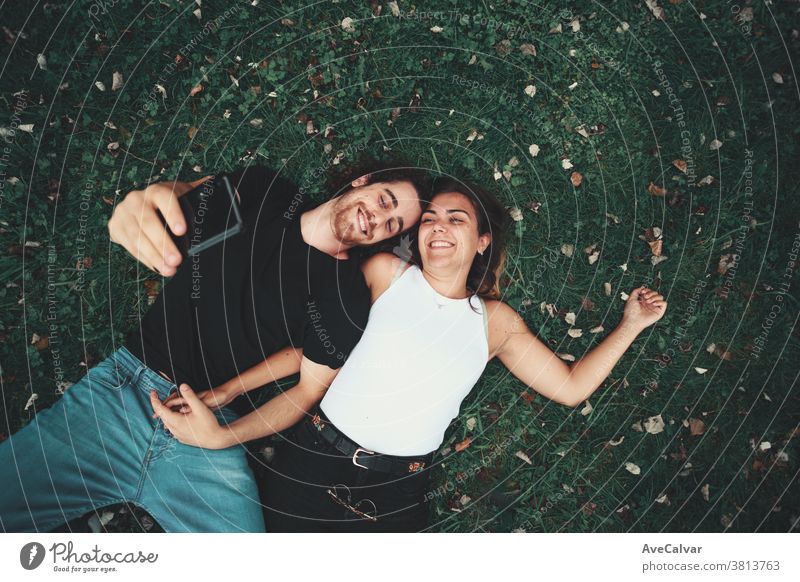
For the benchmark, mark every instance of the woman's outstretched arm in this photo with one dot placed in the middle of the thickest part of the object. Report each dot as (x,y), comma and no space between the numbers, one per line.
(530,360)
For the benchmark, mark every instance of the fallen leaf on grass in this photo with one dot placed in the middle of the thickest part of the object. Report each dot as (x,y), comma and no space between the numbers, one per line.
(33,398)
(654,424)
(463,444)
(656,190)
(632,468)
(696,426)
(576,178)
(523,456)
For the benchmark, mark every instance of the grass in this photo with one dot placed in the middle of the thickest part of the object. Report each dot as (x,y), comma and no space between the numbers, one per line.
(395,86)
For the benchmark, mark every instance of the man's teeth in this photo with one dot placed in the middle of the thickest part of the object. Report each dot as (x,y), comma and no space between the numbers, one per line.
(441,243)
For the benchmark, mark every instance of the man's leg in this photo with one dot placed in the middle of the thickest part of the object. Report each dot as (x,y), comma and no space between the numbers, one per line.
(191,489)
(82,453)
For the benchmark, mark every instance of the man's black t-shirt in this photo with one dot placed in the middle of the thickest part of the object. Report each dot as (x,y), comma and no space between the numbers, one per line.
(234,304)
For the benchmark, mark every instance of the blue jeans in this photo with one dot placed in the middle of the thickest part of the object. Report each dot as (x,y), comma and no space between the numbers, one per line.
(99,445)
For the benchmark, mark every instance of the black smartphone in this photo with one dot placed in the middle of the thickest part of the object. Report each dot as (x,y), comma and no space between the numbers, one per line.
(208,222)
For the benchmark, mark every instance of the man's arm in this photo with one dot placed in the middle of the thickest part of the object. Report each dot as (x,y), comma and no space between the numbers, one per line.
(200,428)
(135,224)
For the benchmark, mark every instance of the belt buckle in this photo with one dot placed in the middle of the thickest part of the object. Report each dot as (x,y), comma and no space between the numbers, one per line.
(355,457)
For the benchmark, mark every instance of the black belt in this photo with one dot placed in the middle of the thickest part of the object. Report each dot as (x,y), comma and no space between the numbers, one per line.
(365,458)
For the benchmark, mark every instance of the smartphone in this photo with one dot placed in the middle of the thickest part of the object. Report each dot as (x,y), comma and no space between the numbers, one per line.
(207,227)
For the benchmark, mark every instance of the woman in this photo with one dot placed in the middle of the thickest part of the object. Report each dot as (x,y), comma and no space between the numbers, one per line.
(359,461)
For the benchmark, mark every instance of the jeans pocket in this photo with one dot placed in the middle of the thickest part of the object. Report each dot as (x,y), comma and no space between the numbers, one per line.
(108,375)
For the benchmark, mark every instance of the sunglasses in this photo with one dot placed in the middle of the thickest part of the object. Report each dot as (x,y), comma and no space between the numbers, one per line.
(365,508)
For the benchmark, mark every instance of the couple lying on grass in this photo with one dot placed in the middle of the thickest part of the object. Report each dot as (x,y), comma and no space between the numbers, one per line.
(387,349)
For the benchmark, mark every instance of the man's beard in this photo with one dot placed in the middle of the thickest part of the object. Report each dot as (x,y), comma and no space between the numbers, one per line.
(343,223)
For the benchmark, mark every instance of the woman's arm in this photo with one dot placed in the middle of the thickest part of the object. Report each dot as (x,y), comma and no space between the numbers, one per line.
(536,365)
(277,366)
(200,428)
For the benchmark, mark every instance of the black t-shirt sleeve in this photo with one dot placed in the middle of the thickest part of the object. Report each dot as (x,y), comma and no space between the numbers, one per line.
(334,326)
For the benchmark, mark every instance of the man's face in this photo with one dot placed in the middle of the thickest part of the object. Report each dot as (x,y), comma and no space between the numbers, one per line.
(369,214)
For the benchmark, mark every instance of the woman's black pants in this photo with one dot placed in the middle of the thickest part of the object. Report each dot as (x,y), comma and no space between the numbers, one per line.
(301,487)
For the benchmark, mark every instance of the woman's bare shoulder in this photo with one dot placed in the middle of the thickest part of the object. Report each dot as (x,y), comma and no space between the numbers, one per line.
(380,268)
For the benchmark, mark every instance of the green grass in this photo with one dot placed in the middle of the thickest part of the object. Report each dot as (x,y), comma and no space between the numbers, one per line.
(576,481)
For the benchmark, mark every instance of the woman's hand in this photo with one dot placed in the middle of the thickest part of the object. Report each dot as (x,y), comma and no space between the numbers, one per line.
(197,427)
(214,399)
(644,307)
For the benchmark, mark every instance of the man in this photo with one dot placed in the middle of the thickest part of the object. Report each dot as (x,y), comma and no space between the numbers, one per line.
(287,280)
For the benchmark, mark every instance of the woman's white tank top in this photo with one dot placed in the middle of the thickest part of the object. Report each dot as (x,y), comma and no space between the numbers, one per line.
(420,355)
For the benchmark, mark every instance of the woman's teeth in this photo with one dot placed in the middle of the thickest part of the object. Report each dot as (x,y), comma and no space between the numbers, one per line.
(440,244)
(362,222)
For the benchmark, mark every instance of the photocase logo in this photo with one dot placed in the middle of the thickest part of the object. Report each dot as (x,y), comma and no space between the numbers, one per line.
(31,555)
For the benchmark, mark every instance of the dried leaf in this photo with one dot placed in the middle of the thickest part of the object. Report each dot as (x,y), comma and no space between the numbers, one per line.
(463,444)
(347,24)
(656,190)
(657,10)
(195,90)
(680,165)
(632,468)
(656,247)
(471,422)
(567,249)
(33,398)
(575,332)
(566,164)
(617,442)
(653,424)
(576,178)
(586,410)
(528,49)
(530,90)
(534,150)
(696,426)
(523,456)
(570,318)
(116,81)
(704,490)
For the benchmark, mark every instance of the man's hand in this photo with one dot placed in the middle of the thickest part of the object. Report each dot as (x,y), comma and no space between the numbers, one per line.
(198,427)
(644,307)
(136,225)
(214,399)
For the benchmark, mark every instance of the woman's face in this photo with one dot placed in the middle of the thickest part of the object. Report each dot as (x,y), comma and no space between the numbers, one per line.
(448,232)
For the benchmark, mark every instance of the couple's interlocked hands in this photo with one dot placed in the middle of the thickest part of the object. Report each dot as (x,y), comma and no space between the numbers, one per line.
(190,418)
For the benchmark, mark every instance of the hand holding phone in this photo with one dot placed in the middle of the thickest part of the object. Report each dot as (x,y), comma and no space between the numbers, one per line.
(206,227)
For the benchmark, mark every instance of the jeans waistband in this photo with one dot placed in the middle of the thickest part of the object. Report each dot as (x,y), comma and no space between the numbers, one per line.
(148,379)
(124,359)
